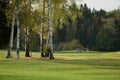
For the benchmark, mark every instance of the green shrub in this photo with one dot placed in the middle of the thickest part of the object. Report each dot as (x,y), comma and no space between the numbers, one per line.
(72,45)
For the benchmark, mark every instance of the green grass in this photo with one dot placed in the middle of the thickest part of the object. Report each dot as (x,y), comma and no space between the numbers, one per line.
(66,66)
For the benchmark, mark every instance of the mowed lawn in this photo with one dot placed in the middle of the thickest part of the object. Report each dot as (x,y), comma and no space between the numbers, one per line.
(66,66)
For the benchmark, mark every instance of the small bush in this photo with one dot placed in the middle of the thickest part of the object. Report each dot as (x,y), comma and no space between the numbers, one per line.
(72,45)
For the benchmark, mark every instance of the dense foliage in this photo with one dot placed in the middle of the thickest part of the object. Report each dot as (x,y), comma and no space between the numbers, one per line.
(74,27)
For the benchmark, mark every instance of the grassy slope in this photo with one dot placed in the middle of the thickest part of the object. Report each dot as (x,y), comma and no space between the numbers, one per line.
(66,66)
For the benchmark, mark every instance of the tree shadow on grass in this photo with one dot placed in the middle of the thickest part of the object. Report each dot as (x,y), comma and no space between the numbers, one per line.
(13,77)
(97,63)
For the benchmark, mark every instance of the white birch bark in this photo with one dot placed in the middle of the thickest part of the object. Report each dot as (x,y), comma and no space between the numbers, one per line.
(27,42)
(18,40)
(42,30)
(50,42)
(9,55)
(18,33)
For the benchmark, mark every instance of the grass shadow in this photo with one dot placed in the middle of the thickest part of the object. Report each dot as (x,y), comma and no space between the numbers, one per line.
(97,63)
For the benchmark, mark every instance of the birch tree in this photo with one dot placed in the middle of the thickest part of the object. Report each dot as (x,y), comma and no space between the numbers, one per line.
(9,54)
(11,14)
(53,5)
(27,25)
(50,42)
(18,35)
(19,7)
(42,29)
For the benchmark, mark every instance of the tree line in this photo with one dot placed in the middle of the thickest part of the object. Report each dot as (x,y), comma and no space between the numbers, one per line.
(73,26)
(96,30)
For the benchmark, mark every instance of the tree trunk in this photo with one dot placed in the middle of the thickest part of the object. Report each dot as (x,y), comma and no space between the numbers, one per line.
(27,54)
(18,39)
(42,31)
(27,46)
(9,54)
(50,43)
(18,32)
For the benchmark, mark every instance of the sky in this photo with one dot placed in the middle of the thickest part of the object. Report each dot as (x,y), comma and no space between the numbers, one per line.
(107,5)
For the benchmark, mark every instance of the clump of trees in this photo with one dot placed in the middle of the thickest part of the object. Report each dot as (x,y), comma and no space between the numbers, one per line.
(20,16)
